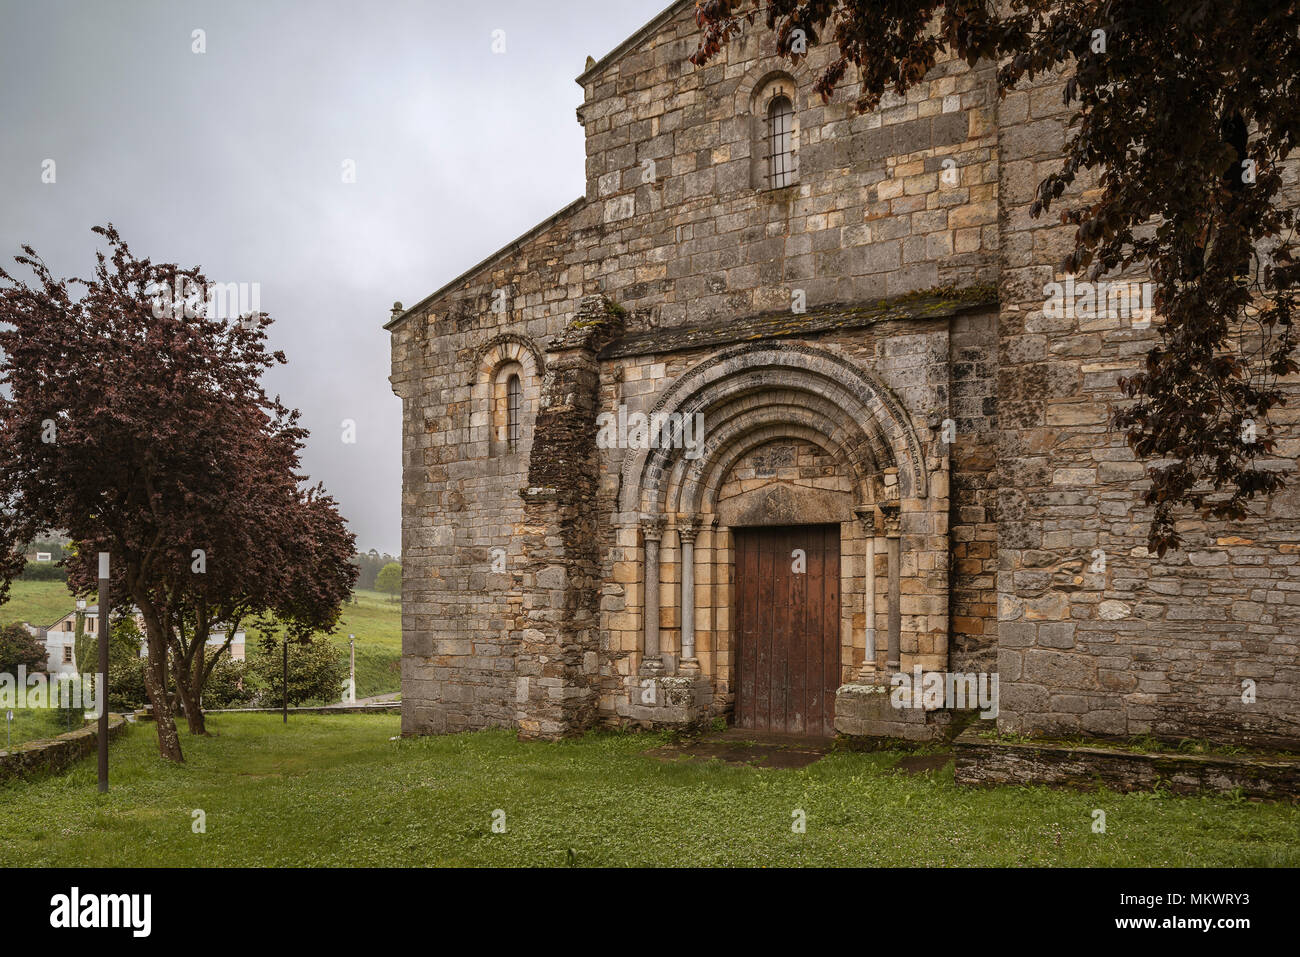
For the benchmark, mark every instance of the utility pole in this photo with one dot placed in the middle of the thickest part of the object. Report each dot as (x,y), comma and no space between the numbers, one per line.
(103,673)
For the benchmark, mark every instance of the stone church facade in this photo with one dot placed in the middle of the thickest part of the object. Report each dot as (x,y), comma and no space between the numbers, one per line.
(777,410)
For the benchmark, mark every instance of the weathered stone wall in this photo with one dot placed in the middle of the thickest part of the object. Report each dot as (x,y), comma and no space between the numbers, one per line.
(929,190)
(984,762)
(874,212)
(460,498)
(1140,644)
(974,604)
(558,660)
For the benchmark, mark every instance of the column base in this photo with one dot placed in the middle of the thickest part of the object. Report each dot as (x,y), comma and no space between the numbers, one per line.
(678,700)
(652,666)
(869,674)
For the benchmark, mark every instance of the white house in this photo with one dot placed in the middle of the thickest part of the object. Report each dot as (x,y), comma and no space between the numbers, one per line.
(60,638)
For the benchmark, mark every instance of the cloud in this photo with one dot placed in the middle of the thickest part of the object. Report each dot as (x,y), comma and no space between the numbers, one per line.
(232,159)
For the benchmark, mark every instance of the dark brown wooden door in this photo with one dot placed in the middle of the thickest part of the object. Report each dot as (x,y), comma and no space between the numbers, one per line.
(788,628)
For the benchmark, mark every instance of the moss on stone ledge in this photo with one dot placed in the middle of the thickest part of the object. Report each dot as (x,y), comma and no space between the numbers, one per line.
(934,303)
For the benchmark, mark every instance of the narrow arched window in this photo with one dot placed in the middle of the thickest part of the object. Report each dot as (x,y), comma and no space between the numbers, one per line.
(780,143)
(513,394)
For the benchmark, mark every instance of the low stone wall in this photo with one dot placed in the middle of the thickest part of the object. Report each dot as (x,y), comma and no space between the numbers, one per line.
(390,707)
(987,762)
(55,754)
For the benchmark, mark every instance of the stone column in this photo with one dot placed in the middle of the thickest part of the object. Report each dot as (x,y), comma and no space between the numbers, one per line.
(893,535)
(686,534)
(651,660)
(867,515)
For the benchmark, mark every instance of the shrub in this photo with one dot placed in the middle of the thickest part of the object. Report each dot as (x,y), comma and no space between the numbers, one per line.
(316,671)
(18,646)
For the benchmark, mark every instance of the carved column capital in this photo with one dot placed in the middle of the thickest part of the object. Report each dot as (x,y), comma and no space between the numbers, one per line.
(867,516)
(892,519)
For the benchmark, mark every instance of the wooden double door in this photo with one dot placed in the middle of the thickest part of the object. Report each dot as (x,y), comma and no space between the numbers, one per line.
(787,624)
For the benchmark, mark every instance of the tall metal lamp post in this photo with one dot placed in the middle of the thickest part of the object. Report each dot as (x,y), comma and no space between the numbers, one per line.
(286,678)
(103,673)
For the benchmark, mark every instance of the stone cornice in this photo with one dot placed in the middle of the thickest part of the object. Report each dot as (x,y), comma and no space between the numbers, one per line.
(785,325)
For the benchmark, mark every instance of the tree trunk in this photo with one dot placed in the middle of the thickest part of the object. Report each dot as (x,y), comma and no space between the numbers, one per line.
(192,695)
(188,672)
(155,685)
(169,741)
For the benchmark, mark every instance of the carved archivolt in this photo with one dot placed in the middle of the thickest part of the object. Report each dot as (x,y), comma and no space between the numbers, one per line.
(754,393)
(496,362)
(508,347)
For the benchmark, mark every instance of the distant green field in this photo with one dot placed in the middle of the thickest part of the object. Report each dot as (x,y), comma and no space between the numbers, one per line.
(39,603)
(377,623)
(374,619)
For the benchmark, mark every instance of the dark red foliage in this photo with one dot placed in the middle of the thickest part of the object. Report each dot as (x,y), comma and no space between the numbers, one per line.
(164,444)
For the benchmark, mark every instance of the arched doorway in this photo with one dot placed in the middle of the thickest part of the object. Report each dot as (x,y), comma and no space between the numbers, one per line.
(700,517)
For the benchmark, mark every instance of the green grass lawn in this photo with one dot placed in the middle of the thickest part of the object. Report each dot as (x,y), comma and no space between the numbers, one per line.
(334,790)
(29,724)
(39,603)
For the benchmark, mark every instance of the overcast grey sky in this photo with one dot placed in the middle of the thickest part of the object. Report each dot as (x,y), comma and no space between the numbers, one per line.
(232,159)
